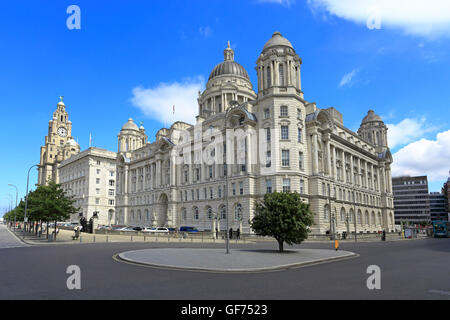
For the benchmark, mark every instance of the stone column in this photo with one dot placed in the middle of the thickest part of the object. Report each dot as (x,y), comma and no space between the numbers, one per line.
(158,173)
(351,170)
(315,159)
(334,164)
(328,155)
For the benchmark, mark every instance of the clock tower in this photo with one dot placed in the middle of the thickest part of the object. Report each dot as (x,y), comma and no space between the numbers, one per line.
(59,145)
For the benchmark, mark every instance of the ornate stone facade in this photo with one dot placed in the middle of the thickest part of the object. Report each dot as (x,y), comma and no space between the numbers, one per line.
(246,144)
(59,145)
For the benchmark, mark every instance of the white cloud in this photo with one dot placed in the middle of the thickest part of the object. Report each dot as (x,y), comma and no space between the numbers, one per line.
(407,131)
(286,3)
(347,79)
(427,18)
(205,31)
(424,157)
(157,103)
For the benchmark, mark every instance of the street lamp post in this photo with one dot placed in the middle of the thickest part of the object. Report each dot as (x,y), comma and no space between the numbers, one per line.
(232,103)
(17,192)
(26,195)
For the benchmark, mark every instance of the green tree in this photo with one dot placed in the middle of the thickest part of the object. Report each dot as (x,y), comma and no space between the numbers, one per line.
(50,203)
(284,216)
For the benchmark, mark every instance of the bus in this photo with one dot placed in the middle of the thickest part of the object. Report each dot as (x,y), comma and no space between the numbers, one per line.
(441,229)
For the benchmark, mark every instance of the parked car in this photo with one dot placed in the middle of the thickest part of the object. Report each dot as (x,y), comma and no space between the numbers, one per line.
(161,230)
(148,229)
(172,229)
(137,228)
(126,229)
(188,229)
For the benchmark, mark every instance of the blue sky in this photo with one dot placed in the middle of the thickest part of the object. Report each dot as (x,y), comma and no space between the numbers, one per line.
(126,53)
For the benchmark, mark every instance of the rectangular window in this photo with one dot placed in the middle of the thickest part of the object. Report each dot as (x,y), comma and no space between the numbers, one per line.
(185,176)
(111,192)
(98,171)
(111,173)
(97,201)
(198,194)
(111,183)
(97,181)
(241,188)
(286,185)
(302,186)
(268,134)
(266,114)
(111,202)
(204,193)
(268,186)
(220,192)
(285,158)
(97,191)
(299,135)
(210,171)
(211,194)
(284,111)
(233,186)
(284,132)
(299,114)
(197,174)
(300,160)
(268,159)
(98,162)
(192,194)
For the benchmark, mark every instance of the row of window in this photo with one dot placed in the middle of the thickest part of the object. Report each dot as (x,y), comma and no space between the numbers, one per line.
(210,215)
(195,194)
(286,185)
(283,112)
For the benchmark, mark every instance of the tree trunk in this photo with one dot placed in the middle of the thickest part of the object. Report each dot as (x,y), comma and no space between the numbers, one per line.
(56,227)
(280,245)
(47,230)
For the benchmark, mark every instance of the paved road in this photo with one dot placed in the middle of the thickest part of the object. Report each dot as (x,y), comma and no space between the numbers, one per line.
(8,240)
(409,270)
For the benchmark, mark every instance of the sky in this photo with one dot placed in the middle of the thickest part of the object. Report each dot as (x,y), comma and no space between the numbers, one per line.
(139,58)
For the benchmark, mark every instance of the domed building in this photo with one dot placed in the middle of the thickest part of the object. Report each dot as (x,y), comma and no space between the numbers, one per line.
(247,143)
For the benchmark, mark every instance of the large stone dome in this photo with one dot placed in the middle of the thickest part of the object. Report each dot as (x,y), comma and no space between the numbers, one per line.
(229,66)
(276,41)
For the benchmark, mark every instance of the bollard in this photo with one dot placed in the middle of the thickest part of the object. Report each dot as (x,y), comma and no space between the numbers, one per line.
(144,238)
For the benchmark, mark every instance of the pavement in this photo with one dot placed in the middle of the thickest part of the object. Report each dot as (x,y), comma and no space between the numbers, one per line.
(8,239)
(242,260)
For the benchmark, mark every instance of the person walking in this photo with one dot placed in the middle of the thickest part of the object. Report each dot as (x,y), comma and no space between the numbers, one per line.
(217,233)
(231,233)
(238,233)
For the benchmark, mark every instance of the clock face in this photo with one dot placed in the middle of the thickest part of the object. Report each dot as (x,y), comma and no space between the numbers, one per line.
(62,131)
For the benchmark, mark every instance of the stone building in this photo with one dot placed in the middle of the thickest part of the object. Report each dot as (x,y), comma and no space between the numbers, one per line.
(244,144)
(265,141)
(90,177)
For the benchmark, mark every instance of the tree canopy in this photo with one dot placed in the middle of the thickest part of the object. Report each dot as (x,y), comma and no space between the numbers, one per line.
(284,216)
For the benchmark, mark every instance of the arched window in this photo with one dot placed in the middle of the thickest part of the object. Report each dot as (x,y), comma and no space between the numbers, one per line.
(223,213)
(342,215)
(238,212)
(196,213)
(184,214)
(367,218)
(360,218)
(373,218)
(281,74)
(147,215)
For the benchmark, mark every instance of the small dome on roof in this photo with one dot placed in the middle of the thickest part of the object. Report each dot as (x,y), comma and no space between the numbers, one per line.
(277,40)
(371,117)
(72,142)
(130,125)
